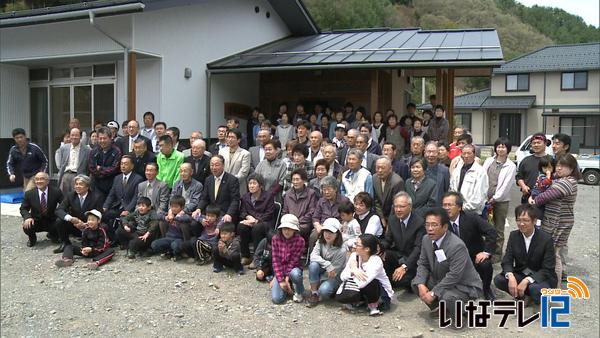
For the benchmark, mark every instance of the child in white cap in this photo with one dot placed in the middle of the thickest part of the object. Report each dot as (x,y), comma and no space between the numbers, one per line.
(95,244)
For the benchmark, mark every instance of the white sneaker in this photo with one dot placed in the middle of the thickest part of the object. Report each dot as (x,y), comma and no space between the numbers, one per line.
(375,312)
(298,298)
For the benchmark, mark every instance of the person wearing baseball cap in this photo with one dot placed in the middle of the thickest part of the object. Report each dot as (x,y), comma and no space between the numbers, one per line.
(340,133)
(94,244)
(114,128)
(287,249)
(327,260)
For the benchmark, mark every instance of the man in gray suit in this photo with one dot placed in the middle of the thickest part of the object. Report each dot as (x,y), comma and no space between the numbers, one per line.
(386,184)
(74,161)
(187,187)
(157,191)
(444,269)
(369,159)
(237,160)
(436,171)
(257,152)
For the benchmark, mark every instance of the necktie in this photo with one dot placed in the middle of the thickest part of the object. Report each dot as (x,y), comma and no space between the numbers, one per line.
(124,181)
(149,190)
(382,186)
(81,200)
(217,185)
(131,144)
(435,246)
(44,203)
(456,230)
(402,225)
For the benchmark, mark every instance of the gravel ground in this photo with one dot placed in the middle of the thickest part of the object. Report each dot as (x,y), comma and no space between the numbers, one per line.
(155,298)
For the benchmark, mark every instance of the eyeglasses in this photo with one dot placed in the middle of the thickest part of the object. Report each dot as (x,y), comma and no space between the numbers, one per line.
(432,225)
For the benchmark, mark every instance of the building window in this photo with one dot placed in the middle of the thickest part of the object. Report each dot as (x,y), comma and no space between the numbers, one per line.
(104,70)
(40,74)
(574,81)
(517,82)
(463,119)
(583,130)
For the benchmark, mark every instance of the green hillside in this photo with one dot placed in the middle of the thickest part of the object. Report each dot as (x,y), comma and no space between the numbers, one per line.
(521,29)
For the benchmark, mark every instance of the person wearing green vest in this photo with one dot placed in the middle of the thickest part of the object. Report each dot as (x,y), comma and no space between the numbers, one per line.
(169,160)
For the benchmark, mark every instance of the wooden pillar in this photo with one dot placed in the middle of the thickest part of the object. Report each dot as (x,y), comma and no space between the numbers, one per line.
(450,102)
(374,91)
(438,85)
(131,86)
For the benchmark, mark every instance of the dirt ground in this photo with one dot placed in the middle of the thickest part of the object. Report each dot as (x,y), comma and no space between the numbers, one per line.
(154,298)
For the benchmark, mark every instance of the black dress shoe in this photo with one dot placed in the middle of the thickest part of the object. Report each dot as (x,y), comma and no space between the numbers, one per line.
(489,294)
(31,242)
(60,249)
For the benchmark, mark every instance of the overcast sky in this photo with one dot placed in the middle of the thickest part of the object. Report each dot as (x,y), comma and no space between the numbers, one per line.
(587,9)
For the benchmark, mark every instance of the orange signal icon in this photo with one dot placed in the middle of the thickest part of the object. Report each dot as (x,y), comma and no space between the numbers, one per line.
(577,288)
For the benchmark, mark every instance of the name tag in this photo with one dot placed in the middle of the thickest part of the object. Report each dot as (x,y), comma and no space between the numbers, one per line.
(440,255)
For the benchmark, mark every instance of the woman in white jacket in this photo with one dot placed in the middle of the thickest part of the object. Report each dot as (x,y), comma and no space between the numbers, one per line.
(365,268)
(501,172)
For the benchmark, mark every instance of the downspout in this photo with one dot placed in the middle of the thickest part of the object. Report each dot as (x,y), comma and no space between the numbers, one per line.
(126,50)
(208,103)
(544,106)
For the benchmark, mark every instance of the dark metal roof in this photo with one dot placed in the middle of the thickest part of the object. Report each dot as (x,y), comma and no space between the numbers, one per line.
(482,99)
(371,48)
(292,12)
(585,56)
(509,102)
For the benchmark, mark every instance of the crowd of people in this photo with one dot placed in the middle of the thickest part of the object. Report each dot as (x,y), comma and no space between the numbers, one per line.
(365,205)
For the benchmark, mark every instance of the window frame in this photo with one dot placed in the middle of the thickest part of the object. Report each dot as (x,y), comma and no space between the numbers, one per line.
(517,89)
(562,87)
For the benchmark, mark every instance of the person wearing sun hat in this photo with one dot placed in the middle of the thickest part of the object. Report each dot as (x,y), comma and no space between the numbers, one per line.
(327,260)
(287,249)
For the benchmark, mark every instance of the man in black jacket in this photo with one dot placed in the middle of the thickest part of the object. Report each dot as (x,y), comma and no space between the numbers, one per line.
(199,160)
(104,162)
(72,209)
(528,263)
(402,242)
(27,157)
(126,144)
(221,189)
(478,235)
(38,207)
(141,156)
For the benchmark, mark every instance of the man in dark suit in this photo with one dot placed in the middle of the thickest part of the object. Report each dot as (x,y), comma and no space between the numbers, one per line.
(221,189)
(199,161)
(478,235)
(38,207)
(386,184)
(444,270)
(257,152)
(122,198)
(174,133)
(528,263)
(398,166)
(436,170)
(351,144)
(369,159)
(126,143)
(141,156)
(72,209)
(402,242)
(221,141)
(157,191)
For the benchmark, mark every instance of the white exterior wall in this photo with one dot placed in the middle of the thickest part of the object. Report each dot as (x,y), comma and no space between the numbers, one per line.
(233,88)
(62,39)
(14,101)
(192,36)
(148,87)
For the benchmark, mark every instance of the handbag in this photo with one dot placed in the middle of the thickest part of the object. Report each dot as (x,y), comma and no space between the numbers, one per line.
(349,292)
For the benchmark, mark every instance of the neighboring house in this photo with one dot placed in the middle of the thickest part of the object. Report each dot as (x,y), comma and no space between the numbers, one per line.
(554,89)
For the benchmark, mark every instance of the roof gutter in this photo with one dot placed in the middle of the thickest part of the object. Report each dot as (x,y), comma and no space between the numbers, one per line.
(445,64)
(72,15)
